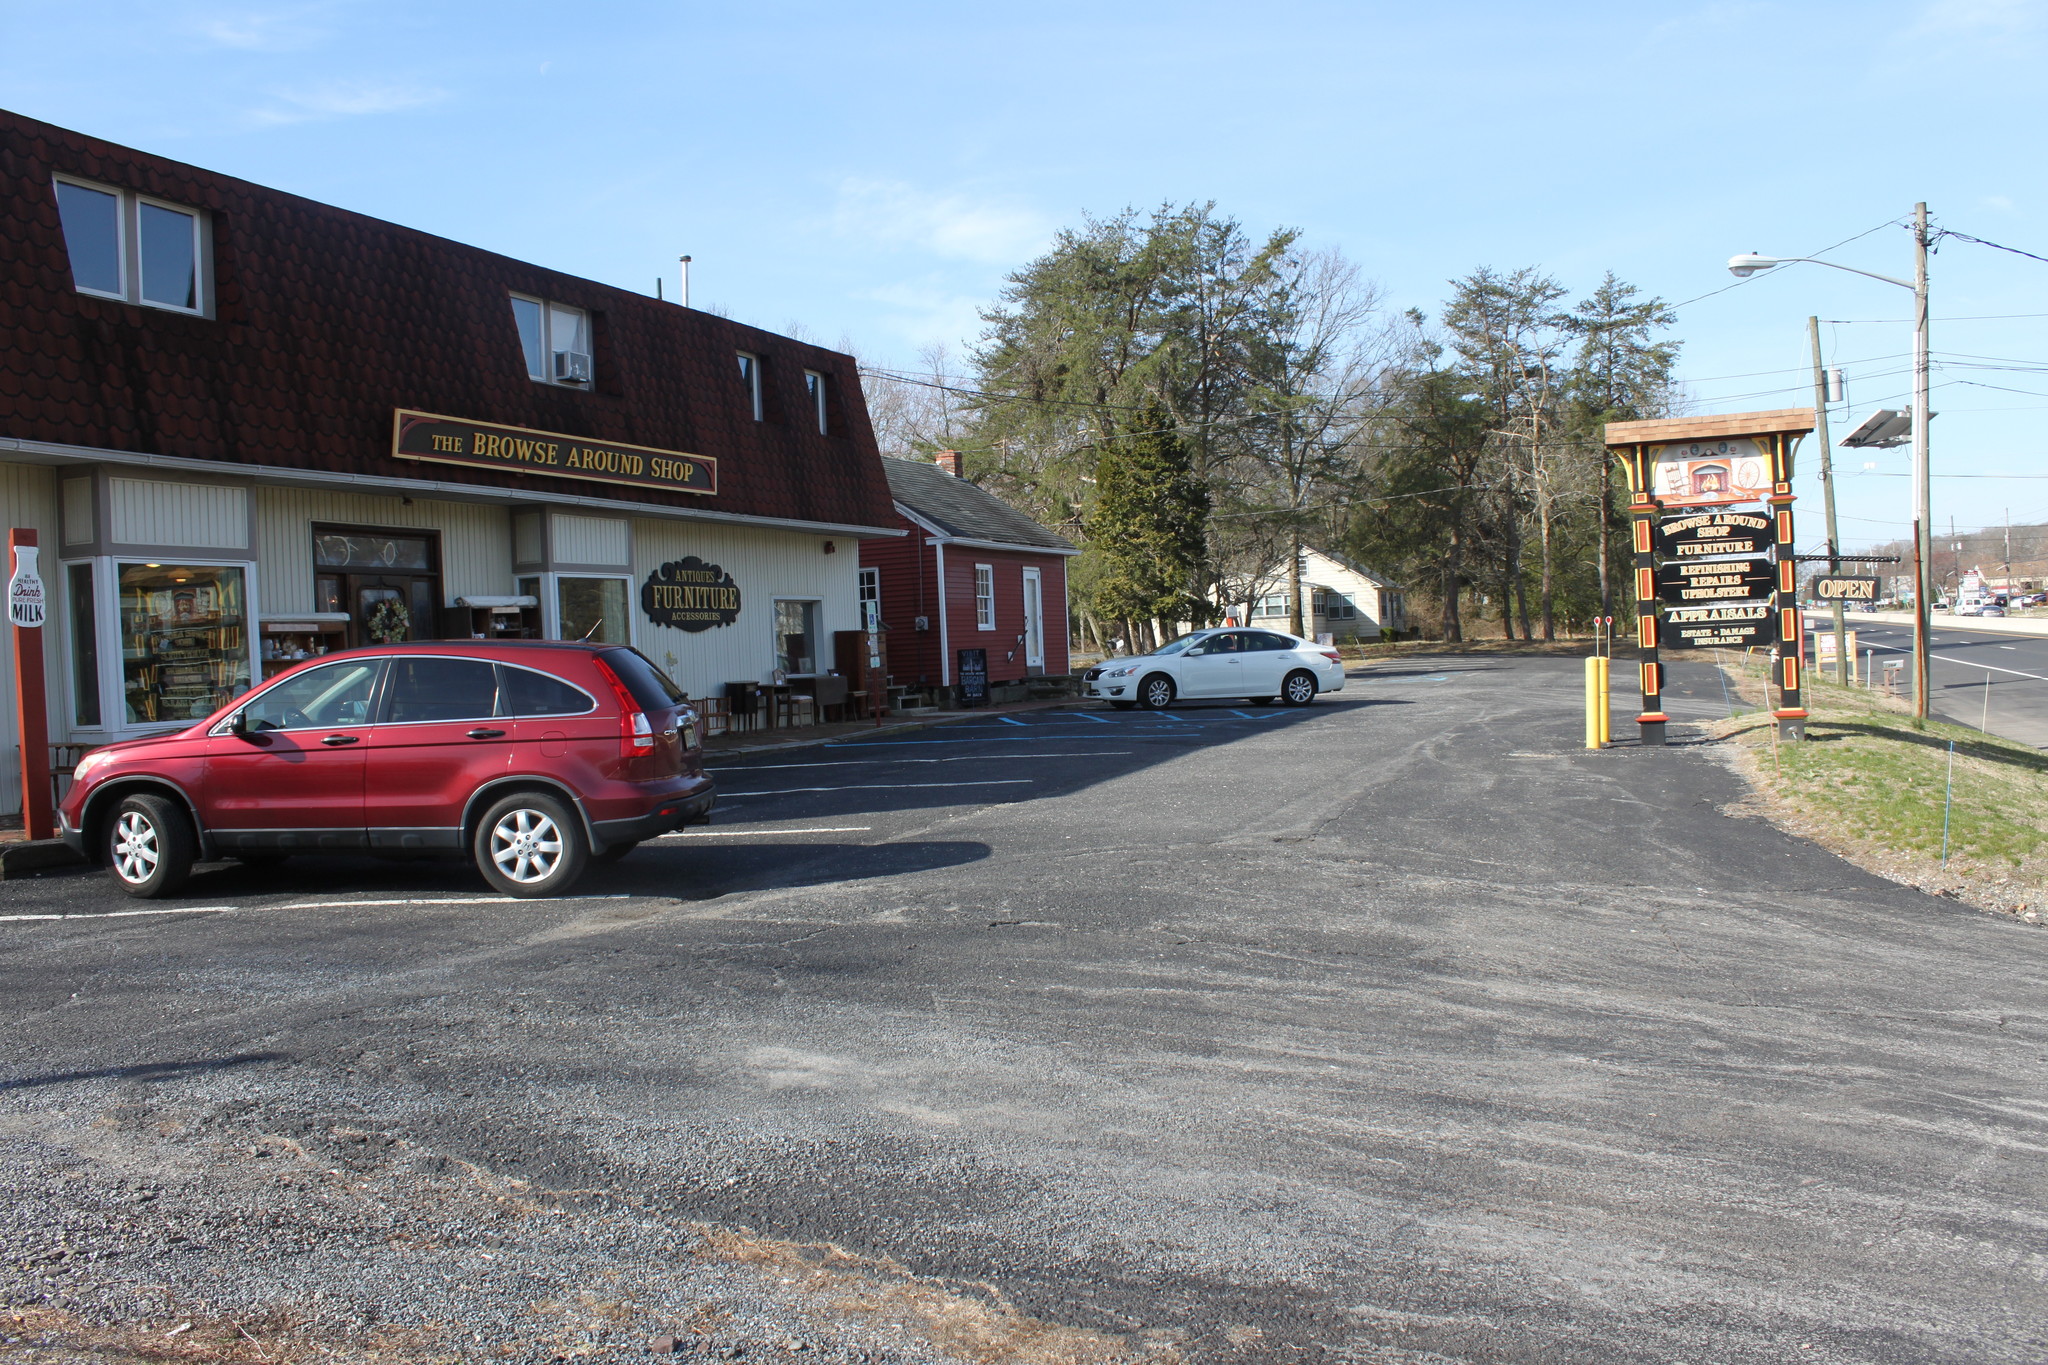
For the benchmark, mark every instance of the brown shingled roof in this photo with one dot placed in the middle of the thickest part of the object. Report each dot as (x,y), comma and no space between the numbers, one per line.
(325,321)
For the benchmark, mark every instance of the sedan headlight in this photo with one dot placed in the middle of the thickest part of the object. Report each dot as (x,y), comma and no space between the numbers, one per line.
(1125,671)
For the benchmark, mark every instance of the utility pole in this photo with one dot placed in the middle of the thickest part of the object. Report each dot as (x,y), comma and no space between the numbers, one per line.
(2008,552)
(1923,527)
(1827,489)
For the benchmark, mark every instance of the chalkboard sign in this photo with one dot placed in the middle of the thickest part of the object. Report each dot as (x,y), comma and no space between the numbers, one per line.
(973,677)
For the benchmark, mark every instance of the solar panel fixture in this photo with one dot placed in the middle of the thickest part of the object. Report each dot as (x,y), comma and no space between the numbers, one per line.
(1883,429)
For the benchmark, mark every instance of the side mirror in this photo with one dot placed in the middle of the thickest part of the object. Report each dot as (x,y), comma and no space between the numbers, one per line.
(238,725)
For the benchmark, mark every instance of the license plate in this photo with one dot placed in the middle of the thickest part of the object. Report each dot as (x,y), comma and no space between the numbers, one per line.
(689,736)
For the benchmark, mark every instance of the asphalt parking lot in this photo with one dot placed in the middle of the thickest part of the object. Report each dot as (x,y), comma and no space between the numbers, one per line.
(1395,1029)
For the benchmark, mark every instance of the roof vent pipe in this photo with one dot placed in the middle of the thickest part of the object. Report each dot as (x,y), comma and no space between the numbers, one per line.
(949,460)
(684,300)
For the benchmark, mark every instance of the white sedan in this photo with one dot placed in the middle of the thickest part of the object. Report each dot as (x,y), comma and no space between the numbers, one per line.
(1257,665)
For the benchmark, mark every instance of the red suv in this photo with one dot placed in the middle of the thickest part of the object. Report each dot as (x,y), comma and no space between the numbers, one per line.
(531,757)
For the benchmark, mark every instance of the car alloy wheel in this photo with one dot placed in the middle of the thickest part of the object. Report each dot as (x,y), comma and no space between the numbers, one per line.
(1156,692)
(135,848)
(531,844)
(1299,689)
(149,846)
(526,845)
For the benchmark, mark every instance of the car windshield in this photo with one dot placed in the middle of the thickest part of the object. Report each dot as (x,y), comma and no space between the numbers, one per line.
(1176,646)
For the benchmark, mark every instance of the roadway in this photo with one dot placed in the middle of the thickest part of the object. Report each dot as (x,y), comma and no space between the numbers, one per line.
(1970,667)
(1398,1029)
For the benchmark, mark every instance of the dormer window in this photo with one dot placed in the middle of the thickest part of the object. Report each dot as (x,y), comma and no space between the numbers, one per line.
(136,249)
(750,382)
(556,340)
(814,394)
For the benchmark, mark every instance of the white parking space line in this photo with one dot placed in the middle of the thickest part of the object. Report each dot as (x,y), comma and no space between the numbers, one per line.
(124,914)
(871,762)
(762,833)
(888,786)
(314,905)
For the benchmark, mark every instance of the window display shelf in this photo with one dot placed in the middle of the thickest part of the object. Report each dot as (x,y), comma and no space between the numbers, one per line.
(289,640)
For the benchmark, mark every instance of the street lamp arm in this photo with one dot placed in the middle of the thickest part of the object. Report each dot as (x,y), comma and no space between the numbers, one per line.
(1835,265)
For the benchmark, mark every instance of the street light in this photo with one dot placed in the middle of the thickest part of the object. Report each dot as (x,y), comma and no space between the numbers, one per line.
(1744,266)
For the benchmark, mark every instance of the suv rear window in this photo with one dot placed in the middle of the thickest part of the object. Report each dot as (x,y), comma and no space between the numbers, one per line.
(650,686)
(527,693)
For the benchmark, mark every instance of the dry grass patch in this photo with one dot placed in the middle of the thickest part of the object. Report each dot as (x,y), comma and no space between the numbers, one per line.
(1873,783)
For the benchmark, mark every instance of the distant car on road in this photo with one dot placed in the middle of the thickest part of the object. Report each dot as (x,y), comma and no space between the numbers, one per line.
(528,757)
(1257,665)
(1991,609)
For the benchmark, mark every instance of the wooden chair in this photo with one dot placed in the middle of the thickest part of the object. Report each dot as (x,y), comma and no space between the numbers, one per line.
(829,693)
(790,704)
(712,711)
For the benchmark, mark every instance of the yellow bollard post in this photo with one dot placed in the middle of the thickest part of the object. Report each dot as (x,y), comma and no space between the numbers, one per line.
(1606,721)
(1592,703)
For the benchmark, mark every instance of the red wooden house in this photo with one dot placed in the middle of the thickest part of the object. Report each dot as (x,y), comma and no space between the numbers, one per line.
(974,573)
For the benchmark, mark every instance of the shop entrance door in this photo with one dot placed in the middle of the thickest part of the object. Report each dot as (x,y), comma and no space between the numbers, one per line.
(388,583)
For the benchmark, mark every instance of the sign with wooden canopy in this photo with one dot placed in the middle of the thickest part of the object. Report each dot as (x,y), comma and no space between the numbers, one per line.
(1686,475)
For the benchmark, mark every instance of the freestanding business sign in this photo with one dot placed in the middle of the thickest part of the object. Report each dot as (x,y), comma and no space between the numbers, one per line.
(26,612)
(973,677)
(1713,569)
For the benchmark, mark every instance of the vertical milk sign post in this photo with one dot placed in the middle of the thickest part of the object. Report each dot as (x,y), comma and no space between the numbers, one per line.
(1711,502)
(27,609)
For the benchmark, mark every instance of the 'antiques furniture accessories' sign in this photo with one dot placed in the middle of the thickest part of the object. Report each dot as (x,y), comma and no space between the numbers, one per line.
(1698,534)
(515,450)
(688,594)
(1845,587)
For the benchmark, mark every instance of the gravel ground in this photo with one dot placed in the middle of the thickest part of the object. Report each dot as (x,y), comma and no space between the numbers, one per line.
(1398,1030)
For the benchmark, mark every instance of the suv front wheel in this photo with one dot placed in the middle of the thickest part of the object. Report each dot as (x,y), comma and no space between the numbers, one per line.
(531,845)
(150,845)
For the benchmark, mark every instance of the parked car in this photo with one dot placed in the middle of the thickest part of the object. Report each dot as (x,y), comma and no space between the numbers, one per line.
(528,757)
(1257,665)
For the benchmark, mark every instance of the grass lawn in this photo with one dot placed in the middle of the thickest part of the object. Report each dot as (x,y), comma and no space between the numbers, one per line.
(1872,783)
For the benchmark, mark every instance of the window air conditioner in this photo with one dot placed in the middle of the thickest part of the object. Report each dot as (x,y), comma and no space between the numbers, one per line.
(572,367)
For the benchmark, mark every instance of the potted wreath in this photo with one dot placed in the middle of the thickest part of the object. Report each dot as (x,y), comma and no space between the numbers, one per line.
(389,622)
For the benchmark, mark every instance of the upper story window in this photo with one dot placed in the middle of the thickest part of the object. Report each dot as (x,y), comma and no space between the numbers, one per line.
(140,250)
(814,390)
(556,339)
(750,381)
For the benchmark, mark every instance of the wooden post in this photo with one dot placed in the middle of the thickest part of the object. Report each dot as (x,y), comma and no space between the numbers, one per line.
(27,608)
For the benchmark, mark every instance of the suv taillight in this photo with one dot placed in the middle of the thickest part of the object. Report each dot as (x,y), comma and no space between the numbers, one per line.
(636,732)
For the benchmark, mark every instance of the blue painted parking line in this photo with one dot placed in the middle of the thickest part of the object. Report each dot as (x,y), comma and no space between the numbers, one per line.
(1008,721)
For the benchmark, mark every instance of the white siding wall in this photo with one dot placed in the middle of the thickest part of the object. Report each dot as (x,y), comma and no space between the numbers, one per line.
(476,541)
(28,499)
(153,512)
(766,565)
(591,540)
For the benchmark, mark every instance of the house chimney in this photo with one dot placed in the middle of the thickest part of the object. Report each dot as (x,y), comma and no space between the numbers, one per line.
(949,460)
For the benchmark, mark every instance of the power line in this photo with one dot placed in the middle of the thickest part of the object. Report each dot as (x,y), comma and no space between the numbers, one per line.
(1995,246)
(1890,222)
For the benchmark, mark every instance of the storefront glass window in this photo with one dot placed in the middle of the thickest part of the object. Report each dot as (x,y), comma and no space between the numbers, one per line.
(796,637)
(593,609)
(184,640)
(85,646)
(367,551)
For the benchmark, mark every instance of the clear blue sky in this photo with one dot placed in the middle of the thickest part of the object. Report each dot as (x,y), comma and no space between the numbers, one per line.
(872,171)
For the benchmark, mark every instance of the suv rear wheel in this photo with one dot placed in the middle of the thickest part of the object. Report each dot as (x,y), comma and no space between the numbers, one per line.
(150,846)
(530,845)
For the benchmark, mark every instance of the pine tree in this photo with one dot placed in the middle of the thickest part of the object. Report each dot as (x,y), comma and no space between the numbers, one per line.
(1149,524)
